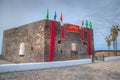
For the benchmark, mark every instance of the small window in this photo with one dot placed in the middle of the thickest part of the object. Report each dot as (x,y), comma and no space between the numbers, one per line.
(59,41)
(84,43)
(32,48)
(60,51)
(22,49)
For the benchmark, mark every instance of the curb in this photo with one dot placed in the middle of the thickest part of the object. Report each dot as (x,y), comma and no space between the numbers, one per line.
(41,65)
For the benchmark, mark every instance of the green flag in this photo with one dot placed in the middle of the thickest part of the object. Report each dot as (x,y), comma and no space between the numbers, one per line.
(47,15)
(90,25)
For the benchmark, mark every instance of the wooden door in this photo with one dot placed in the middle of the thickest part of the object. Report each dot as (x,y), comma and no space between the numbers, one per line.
(73,55)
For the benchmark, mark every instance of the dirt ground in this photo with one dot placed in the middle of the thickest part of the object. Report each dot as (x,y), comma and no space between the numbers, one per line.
(97,71)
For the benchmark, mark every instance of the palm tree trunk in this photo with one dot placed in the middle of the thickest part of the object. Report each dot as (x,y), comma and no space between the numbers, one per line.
(109,51)
(116,47)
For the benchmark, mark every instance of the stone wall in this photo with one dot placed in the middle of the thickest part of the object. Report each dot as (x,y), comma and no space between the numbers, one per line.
(36,37)
(63,49)
(47,40)
(32,35)
(106,54)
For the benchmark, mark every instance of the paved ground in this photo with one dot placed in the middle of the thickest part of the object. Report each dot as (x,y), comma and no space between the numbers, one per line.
(113,66)
(97,71)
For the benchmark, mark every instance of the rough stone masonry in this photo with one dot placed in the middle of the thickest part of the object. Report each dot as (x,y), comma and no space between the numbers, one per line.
(36,37)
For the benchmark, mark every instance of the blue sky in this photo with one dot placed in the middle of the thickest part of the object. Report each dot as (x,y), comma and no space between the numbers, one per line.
(103,13)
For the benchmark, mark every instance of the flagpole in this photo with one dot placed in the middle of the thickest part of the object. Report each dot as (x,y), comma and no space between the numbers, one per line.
(61,19)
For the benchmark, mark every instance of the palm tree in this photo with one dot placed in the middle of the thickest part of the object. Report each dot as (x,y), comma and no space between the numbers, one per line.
(114,35)
(117,29)
(108,41)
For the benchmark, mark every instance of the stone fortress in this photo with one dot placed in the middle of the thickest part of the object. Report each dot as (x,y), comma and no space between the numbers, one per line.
(38,42)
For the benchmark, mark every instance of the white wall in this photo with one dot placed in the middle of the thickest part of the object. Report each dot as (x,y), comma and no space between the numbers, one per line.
(41,65)
(112,58)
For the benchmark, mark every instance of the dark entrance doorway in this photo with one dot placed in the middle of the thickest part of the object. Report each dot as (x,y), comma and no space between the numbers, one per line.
(73,55)
(73,51)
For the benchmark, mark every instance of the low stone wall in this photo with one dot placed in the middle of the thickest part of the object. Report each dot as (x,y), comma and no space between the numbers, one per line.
(41,65)
(113,58)
(105,54)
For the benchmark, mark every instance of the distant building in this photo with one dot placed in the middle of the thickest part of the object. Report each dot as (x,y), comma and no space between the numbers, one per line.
(44,41)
